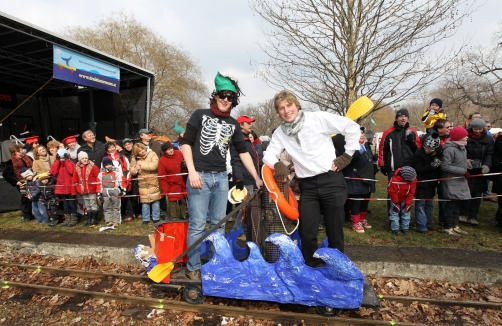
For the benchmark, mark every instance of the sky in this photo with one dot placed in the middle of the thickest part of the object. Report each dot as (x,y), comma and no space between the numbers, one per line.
(220,35)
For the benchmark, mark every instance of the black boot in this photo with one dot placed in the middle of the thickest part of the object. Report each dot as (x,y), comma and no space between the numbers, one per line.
(73,220)
(94,218)
(89,219)
(66,220)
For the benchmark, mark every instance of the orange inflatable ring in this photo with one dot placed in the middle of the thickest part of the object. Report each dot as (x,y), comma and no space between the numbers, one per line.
(288,208)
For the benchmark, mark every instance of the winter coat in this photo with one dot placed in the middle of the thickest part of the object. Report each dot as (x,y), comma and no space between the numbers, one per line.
(394,149)
(121,162)
(400,190)
(497,166)
(149,189)
(9,173)
(361,166)
(171,164)
(425,171)
(154,146)
(454,165)
(429,118)
(64,171)
(113,179)
(40,166)
(479,150)
(239,171)
(85,179)
(95,153)
(46,193)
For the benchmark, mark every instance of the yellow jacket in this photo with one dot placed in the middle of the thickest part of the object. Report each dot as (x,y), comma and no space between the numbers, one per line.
(430,119)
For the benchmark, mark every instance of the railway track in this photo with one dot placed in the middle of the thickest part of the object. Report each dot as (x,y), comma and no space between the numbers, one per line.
(222,310)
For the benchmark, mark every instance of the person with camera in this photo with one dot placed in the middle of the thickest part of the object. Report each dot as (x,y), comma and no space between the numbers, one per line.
(397,146)
(63,168)
(479,157)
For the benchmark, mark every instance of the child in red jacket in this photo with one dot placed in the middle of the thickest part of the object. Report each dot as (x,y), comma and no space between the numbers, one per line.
(86,183)
(63,168)
(401,191)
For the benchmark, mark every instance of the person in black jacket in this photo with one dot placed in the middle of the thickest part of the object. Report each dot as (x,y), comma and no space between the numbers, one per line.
(479,156)
(398,144)
(361,166)
(242,178)
(427,163)
(497,179)
(95,149)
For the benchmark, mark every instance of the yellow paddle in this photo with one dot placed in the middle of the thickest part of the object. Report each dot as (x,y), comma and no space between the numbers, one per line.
(160,271)
(360,107)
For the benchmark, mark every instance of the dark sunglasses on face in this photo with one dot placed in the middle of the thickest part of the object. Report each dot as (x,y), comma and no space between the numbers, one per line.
(230,97)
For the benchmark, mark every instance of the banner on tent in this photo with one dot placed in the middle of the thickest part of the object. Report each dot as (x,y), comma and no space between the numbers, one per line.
(83,70)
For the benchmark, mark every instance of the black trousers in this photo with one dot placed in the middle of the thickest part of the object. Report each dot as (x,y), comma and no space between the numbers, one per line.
(358,206)
(326,191)
(470,207)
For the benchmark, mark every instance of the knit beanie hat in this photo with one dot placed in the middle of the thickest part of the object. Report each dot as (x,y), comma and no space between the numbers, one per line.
(177,128)
(167,145)
(431,140)
(106,161)
(43,176)
(477,123)
(408,173)
(438,101)
(62,152)
(401,112)
(26,172)
(457,133)
(82,155)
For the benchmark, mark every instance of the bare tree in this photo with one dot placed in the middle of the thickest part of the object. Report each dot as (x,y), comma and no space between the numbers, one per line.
(478,80)
(265,115)
(332,51)
(178,90)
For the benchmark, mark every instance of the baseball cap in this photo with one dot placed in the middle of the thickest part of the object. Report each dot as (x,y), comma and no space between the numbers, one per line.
(245,118)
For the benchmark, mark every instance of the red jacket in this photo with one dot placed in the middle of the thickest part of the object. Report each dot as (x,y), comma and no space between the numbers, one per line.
(85,179)
(400,190)
(172,184)
(64,171)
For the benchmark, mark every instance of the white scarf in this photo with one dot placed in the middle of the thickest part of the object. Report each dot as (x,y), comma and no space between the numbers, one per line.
(293,128)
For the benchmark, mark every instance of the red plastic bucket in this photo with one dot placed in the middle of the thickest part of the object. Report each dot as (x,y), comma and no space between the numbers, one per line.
(170,242)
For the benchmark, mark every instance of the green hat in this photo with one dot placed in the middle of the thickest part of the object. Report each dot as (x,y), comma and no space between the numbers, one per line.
(222,83)
(177,128)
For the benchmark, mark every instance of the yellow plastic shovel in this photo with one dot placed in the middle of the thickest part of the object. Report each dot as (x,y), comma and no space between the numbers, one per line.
(160,271)
(360,107)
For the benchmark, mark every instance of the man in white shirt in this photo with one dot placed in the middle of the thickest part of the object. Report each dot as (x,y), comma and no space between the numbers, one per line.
(306,136)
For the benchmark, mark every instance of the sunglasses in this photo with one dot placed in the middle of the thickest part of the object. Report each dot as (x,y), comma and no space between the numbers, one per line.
(229,96)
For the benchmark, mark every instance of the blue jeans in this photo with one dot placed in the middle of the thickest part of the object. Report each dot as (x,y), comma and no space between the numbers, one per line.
(40,211)
(238,224)
(210,201)
(394,218)
(145,211)
(423,213)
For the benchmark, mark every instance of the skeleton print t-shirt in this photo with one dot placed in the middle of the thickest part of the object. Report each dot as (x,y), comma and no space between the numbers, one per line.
(212,143)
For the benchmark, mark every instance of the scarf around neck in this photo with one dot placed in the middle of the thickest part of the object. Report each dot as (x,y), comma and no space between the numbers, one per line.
(460,142)
(218,113)
(293,128)
(45,160)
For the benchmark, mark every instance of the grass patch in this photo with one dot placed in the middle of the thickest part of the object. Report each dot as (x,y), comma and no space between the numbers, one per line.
(483,237)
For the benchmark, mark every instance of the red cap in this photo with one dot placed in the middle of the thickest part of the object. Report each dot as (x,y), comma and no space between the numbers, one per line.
(245,118)
(31,140)
(70,139)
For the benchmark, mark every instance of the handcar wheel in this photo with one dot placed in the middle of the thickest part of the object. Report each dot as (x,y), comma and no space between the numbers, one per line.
(328,311)
(193,294)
